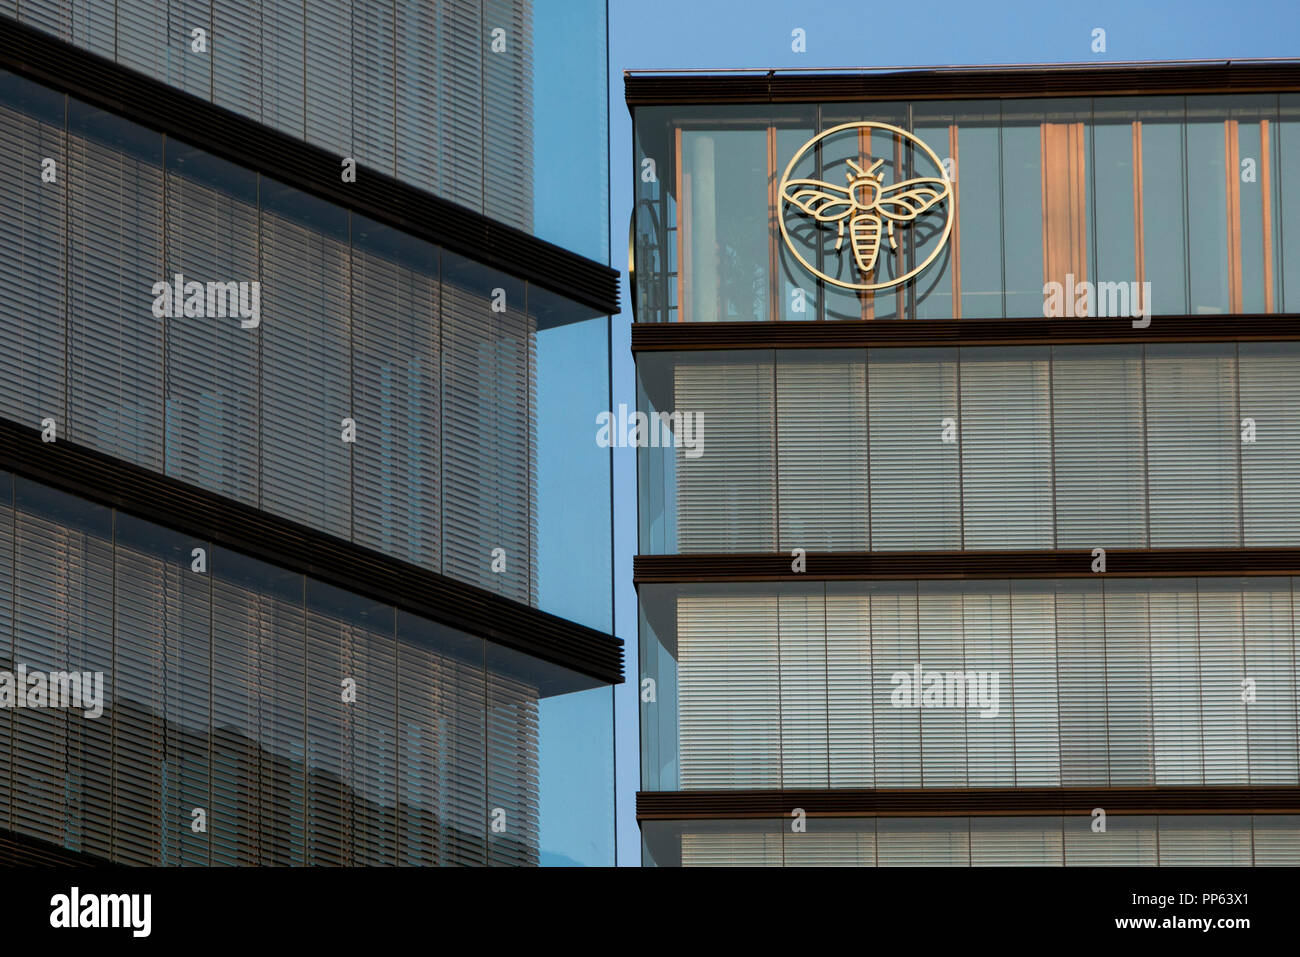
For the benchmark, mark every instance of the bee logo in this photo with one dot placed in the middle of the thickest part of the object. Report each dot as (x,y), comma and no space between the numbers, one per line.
(865,208)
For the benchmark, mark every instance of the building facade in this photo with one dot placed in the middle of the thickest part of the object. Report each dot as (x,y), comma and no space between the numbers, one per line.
(295,388)
(969,525)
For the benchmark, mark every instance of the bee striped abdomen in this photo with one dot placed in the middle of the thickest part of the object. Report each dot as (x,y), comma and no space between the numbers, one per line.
(864,231)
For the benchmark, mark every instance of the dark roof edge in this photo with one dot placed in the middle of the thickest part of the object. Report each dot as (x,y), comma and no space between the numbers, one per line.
(1020,80)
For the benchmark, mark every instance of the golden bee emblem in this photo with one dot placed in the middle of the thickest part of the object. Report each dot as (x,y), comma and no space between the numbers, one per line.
(865,208)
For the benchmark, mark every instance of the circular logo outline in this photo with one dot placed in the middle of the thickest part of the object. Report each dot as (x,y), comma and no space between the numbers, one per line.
(868,124)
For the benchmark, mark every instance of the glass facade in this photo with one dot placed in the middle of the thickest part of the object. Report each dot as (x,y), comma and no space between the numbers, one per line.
(977,448)
(437,360)
(380,396)
(226,691)
(1188,193)
(806,624)
(472,101)
(1167,840)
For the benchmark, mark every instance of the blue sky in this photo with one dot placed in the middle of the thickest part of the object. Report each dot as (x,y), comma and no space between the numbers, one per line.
(722,34)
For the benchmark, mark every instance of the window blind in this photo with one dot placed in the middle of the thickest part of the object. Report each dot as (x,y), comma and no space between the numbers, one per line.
(1269,629)
(849,725)
(923,842)
(489,408)
(238,64)
(373,56)
(1192,444)
(729,691)
(328,66)
(1223,713)
(1017,841)
(115,257)
(507,127)
(1270,396)
(1176,682)
(1205,841)
(1098,446)
(258,753)
(1126,842)
(726,496)
(801,636)
(33,286)
(305,367)
(63,620)
(395,395)
(213,392)
(915,502)
(1006,448)
(821,450)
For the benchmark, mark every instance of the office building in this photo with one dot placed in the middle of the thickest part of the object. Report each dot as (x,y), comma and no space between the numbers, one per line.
(299,360)
(985,545)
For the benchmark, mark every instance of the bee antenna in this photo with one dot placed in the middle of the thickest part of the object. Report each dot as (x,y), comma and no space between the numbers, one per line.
(875,166)
(856,168)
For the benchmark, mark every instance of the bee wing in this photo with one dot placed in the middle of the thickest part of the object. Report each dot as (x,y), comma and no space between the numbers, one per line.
(825,202)
(903,202)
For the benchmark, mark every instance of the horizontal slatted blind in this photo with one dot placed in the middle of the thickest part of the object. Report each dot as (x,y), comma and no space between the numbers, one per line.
(146,610)
(1192,439)
(803,688)
(373,56)
(63,620)
(395,395)
(1017,842)
(990,739)
(1176,682)
(754,848)
(729,691)
(489,409)
(821,407)
(258,781)
(1126,842)
(1205,841)
(850,731)
(1098,446)
(33,285)
(726,496)
(237,65)
(1006,448)
(86,23)
(213,392)
(923,842)
(459,82)
(115,218)
(1034,684)
(181,66)
(944,756)
(1128,682)
(305,361)
(915,502)
(1276,840)
(507,128)
(1270,395)
(512,770)
(829,842)
(417,58)
(895,647)
(282,60)
(1223,713)
(8,660)
(441,756)
(329,66)
(1269,629)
